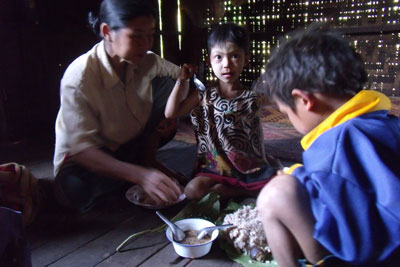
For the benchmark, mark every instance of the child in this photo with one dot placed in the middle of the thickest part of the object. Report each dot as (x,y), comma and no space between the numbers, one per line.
(231,160)
(343,204)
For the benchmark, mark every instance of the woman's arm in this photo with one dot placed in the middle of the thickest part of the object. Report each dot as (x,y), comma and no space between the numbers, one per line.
(155,183)
(78,128)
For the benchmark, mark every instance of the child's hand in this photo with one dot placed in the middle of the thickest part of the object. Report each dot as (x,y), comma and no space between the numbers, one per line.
(187,71)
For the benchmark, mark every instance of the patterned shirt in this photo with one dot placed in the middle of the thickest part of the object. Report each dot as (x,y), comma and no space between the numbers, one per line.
(229,134)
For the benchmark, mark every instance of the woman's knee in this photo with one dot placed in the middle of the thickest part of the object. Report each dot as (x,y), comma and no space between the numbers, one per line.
(71,191)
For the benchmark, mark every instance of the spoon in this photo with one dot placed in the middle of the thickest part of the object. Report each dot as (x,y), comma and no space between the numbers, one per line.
(199,85)
(177,233)
(207,230)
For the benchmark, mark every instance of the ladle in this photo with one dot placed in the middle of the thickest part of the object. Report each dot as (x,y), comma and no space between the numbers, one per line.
(177,233)
(207,230)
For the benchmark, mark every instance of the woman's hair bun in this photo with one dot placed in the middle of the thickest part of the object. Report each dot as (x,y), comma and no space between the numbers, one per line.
(94,22)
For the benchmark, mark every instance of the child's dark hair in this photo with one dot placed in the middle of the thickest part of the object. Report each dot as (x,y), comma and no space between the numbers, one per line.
(118,13)
(317,59)
(228,32)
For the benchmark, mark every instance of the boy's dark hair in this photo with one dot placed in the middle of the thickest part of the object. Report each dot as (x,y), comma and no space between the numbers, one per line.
(228,32)
(317,59)
(118,13)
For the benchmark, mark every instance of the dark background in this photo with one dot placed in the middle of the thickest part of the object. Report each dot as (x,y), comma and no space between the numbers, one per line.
(37,44)
(40,38)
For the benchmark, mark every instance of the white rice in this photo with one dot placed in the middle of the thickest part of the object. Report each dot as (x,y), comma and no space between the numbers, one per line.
(248,232)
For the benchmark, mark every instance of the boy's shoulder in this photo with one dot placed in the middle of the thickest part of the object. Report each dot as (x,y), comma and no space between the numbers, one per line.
(359,143)
(372,127)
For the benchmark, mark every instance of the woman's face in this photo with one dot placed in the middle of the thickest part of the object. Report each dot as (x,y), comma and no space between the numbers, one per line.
(131,43)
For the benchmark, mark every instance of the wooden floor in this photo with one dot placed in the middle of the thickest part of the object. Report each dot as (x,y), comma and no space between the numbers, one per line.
(60,238)
(91,239)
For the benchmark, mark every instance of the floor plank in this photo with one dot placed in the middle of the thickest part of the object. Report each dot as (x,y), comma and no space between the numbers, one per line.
(61,238)
(75,234)
(216,257)
(166,257)
(178,156)
(103,247)
(139,251)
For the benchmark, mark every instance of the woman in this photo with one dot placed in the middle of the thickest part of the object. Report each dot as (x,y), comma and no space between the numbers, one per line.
(111,104)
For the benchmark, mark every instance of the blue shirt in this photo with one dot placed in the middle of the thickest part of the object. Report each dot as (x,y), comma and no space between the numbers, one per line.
(352,174)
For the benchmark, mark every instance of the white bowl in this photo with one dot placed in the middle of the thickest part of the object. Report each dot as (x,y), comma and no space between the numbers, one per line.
(192,251)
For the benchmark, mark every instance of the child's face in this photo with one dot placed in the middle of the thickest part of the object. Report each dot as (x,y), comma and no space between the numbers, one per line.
(227,61)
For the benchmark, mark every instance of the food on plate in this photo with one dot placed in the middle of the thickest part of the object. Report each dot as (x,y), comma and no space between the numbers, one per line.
(248,236)
(191,238)
(138,196)
(142,197)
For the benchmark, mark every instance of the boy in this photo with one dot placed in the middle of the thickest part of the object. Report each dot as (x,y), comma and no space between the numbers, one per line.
(344,200)
(230,155)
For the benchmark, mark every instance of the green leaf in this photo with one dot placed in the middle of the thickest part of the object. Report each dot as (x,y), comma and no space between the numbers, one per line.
(232,207)
(207,208)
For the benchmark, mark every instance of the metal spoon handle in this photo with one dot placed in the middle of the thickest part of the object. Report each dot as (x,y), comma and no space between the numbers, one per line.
(178,233)
(218,227)
(205,231)
(168,222)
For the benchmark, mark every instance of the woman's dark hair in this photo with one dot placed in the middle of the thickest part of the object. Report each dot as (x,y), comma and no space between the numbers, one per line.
(228,32)
(118,13)
(317,59)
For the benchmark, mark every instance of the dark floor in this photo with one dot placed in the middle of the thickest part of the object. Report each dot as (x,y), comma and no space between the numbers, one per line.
(61,238)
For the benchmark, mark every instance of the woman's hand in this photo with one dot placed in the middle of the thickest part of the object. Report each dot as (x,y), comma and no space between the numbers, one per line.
(160,187)
(155,183)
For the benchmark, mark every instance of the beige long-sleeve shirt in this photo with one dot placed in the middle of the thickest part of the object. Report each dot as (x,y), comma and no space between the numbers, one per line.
(99,110)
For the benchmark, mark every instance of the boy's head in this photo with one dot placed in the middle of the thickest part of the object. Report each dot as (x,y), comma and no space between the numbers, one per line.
(228,49)
(315,60)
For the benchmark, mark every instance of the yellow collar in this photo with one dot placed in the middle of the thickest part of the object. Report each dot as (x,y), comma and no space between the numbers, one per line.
(364,102)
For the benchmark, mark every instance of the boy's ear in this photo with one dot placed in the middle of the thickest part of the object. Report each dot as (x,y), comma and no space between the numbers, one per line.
(303,98)
(105,31)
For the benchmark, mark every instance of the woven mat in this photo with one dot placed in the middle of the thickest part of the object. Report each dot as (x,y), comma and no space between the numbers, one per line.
(395,106)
